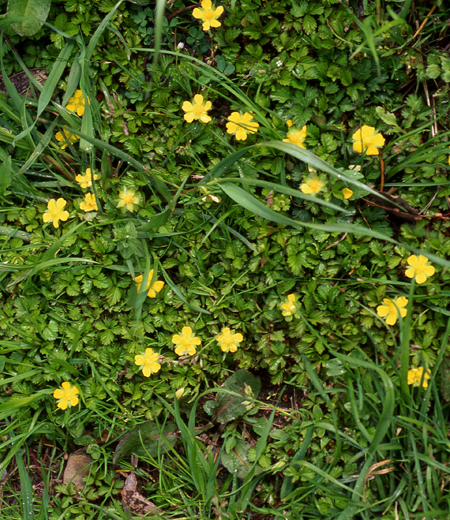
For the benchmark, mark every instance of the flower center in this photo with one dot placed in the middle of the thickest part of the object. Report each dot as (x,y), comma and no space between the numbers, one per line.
(128,198)
(198,110)
(314,185)
(209,14)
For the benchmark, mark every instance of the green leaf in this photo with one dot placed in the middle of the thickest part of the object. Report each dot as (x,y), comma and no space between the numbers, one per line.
(388,117)
(34,11)
(433,71)
(237,462)
(146,439)
(5,175)
(26,489)
(445,386)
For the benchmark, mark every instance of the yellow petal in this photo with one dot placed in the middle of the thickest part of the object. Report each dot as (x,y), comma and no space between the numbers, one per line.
(158,286)
(402,301)
(347,193)
(198,99)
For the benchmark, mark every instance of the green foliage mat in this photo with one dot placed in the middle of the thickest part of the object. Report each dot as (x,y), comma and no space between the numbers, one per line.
(264,260)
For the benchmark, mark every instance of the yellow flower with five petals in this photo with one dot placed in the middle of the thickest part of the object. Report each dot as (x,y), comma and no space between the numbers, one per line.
(76,103)
(296,136)
(241,125)
(55,212)
(415,377)
(229,342)
(148,362)
(208,14)
(186,343)
(152,288)
(67,396)
(366,138)
(419,268)
(89,203)
(85,181)
(197,110)
(389,309)
(128,199)
(312,185)
(67,138)
(289,307)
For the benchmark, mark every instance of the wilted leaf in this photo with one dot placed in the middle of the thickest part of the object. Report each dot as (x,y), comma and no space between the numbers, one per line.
(146,439)
(229,407)
(134,501)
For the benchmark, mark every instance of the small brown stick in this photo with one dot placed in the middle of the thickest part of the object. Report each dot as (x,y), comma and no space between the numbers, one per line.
(182,11)
(370,473)
(422,25)
(427,96)
(428,206)
(337,241)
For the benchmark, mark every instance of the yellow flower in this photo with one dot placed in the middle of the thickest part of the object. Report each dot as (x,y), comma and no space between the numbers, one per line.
(419,268)
(66,138)
(389,309)
(186,342)
(85,181)
(312,185)
(89,203)
(197,110)
(67,396)
(156,287)
(289,306)
(347,193)
(76,103)
(366,138)
(55,212)
(179,393)
(241,125)
(229,342)
(128,198)
(209,14)
(289,123)
(296,136)
(148,362)
(415,377)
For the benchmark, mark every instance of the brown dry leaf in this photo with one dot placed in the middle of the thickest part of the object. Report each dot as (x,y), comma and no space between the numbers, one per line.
(134,501)
(77,467)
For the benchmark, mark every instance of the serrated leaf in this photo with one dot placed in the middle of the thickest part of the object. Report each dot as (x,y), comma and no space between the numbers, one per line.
(433,71)
(309,24)
(146,439)
(388,117)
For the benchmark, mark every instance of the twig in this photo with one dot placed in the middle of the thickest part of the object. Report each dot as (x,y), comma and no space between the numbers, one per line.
(422,25)
(337,241)
(427,207)
(182,11)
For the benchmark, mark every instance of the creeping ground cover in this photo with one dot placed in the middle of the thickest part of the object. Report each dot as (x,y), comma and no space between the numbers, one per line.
(224,272)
